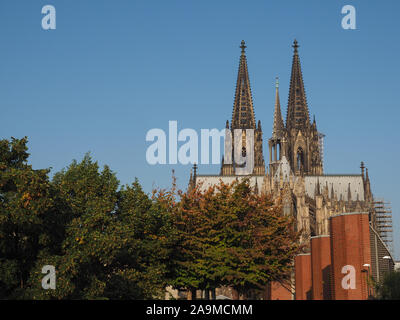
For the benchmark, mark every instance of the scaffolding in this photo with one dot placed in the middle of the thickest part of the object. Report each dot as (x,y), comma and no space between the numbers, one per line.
(383,222)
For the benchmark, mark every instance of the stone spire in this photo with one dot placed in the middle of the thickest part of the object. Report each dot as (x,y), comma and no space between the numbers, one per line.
(243,111)
(256,188)
(243,118)
(194,171)
(297,112)
(349,193)
(192,179)
(317,188)
(191,182)
(362,167)
(367,188)
(278,126)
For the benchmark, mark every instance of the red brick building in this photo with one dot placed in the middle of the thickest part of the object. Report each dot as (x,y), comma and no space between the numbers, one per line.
(351,251)
(340,264)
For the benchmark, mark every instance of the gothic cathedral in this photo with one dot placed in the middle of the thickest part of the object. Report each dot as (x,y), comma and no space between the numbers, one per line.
(295,173)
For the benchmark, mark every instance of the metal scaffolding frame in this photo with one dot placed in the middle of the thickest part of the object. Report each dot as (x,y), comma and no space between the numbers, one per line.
(383,222)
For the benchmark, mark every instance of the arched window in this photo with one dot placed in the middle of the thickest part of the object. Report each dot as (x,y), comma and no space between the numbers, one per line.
(279,151)
(300,159)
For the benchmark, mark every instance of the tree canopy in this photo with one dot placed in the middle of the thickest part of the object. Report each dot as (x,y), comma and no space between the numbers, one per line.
(389,287)
(230,235)
(108,241)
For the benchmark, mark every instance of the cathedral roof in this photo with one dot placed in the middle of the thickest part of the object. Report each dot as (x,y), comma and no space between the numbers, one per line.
(341,185)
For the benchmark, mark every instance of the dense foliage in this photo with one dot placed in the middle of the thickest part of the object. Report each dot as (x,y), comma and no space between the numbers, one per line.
(112,242)
(389,287)
(229,235)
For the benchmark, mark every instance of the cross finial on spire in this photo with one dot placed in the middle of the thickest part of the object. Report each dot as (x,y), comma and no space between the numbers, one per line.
(295,45)
(243,46)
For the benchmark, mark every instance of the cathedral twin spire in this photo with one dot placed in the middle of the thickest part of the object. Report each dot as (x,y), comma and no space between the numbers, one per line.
(298,140)
(243,118)
(297,112)
(243,110)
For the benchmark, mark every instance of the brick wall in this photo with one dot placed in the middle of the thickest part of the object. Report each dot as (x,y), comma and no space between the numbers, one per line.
(276,291)
(303,279)
(321,267)
(350,248)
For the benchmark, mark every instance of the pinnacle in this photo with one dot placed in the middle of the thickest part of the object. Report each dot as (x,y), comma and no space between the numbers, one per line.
(295,45)
(278,125)
(243,46)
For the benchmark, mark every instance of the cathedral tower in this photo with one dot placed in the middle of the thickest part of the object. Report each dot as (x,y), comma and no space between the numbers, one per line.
(303,139)
(278,143)
(243,118)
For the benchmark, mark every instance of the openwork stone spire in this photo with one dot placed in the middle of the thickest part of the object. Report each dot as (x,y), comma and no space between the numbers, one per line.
(278,126)
(243,111)
(297,113)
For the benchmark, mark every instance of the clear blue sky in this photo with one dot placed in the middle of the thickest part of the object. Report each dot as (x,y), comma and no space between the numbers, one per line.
(112,70)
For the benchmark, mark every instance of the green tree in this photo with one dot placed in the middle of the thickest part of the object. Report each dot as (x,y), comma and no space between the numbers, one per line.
(389,287)
(189,219)
(261,241)
(28,218)
(116,241)
(152,242)
(111,243)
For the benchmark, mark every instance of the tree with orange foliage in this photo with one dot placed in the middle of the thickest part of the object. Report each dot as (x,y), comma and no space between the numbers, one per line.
(230,236)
